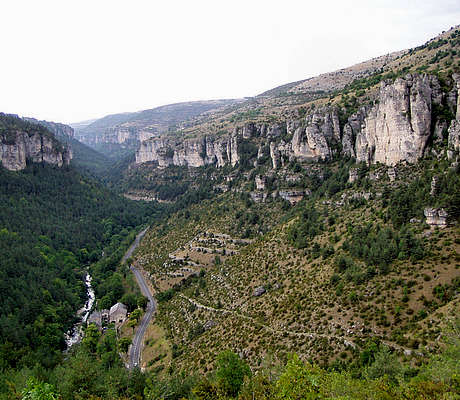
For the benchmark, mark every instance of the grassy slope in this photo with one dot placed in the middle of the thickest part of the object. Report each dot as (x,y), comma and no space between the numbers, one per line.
(302,310)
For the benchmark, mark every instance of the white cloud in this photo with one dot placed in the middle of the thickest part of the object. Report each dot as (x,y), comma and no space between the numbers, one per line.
(73,60)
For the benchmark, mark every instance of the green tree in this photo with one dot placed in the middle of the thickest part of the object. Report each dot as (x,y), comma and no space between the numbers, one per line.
(105,302)
(230,373)
(36,390)
(124,344)
(91,338)
(142,302)
(385,364)
(107,349)
(129,300)
(298,382)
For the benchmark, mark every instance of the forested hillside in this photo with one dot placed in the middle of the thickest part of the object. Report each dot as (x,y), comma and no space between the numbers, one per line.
(54,222)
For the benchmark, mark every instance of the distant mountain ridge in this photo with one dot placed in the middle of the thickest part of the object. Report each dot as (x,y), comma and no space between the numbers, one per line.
(126,131)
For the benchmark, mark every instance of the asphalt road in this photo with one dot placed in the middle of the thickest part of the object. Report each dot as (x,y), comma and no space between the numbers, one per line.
(134,245)
(136,347)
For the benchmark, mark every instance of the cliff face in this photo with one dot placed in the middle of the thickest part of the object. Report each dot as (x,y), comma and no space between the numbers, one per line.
(21,141)
(36,148)
(312,136)
(116,135)
(394,127)
(398,127)
(192,152)
(310,139)
(453,144)
(128,130)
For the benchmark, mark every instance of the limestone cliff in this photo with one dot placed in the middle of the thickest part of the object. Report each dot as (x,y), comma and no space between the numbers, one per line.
(311,136)
(453,145)
(394,126)
(21,141)
(128,130)
(310,140)
(398,127)
(191,152)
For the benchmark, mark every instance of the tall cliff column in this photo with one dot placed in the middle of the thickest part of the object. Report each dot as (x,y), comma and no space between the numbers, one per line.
(398,127)
(453,142)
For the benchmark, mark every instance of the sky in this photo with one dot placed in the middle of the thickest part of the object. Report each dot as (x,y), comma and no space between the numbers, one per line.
(69,61)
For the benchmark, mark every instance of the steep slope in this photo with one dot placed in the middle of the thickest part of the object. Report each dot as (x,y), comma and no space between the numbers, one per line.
(333,222)
(329,276)
(59,130)
(320,218)
(85,159)
(53,223)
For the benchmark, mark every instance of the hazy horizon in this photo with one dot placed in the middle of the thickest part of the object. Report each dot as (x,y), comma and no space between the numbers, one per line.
(81,61)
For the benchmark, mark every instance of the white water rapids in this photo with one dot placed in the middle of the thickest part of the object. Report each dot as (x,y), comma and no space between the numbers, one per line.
(75,334)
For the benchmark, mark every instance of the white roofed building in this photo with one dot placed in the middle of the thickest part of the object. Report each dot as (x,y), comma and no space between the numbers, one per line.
(118,313)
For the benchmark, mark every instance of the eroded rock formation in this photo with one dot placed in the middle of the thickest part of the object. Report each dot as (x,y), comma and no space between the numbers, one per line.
(21,146)
(394,128)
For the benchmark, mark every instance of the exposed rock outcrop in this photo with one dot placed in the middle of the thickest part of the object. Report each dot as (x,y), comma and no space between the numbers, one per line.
(353,175)
(397,128)
(436,216)
(434,185)
(128,130)
(21,146)
(310,137)
(258,197)
(391,174)
(258,291)
(293,196)
(191,152)
(453,142)
(309,141)
(260,182)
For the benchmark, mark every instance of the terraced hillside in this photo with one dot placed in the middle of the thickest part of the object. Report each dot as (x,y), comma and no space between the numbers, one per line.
(331,275)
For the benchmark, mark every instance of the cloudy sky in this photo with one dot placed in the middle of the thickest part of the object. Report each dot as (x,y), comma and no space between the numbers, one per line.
(69,60)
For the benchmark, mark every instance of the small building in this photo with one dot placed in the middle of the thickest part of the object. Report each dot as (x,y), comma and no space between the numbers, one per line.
(95,318)
(118,313)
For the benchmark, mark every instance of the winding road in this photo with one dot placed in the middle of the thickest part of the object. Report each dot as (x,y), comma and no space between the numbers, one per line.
(136,347)
(134,245)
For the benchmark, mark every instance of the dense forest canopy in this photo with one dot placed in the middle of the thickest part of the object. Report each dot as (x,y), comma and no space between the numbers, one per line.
(54,222)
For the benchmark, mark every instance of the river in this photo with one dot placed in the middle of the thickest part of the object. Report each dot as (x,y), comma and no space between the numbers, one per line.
(75,334)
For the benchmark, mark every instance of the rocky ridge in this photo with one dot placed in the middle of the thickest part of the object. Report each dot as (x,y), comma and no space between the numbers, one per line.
(394,127)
